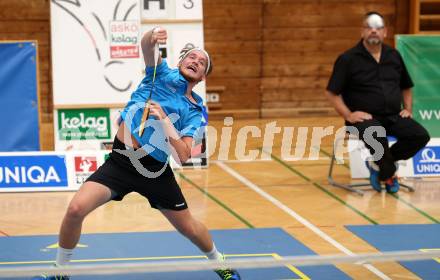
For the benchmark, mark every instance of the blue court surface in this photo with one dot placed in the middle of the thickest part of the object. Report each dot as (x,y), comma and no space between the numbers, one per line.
(161,246)
(405,237)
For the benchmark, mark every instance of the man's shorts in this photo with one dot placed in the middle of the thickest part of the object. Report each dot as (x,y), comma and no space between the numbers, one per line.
(119,174)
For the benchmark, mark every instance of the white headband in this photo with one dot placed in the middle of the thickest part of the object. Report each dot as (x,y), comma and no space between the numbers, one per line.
(182,57)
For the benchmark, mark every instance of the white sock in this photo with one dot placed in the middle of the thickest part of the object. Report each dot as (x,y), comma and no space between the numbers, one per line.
(214,254)
(374,165)
(63,256)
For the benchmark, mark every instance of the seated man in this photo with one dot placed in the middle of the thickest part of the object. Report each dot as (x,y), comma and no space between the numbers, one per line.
(368,87)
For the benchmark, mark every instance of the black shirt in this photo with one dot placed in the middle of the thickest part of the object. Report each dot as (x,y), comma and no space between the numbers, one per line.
(368,86)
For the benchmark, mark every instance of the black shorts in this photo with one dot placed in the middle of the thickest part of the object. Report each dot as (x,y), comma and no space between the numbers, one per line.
(119,174)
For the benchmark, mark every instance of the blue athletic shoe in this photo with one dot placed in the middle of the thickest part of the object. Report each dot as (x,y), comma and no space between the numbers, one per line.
(392,185)
(227,273)
(374,176)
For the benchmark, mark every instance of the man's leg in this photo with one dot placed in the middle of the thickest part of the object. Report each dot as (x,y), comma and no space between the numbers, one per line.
(411,137)
(197,232)
(373,134)
(90,196)
(194,230)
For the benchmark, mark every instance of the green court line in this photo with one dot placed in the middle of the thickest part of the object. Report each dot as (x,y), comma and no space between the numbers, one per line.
(396,196)
(216,200)
(421,212)
(360,213)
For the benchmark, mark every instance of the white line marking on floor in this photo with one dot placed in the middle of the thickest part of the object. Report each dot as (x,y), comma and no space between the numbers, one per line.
(298,217)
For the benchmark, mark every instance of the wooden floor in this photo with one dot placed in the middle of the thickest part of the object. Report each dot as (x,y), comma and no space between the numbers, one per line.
(244,194)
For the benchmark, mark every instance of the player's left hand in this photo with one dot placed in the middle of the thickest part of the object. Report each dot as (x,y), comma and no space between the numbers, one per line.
(405,113)
(157,111)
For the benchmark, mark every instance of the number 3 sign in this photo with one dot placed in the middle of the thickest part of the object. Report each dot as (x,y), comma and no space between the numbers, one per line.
(189,9)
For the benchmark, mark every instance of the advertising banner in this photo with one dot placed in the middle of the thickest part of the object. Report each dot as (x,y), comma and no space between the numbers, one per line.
(426,163)
(124,39)
(47,171)
(85,165)
(19,96)
(81,124)
(108,63)
(85,129)
(422,58)
(56,171)
(33,171)
(95,51)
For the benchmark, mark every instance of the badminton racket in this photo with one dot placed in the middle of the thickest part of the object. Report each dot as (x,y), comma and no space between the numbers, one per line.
(146,112)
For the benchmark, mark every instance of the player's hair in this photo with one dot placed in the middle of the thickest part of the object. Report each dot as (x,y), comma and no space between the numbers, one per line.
(187,50)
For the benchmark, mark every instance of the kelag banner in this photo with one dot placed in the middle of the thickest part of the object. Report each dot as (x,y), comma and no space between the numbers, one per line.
(85,128)
(18,97)
(82,124)
(422,58)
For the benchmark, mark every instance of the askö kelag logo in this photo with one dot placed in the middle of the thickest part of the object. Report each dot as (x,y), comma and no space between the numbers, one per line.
(124,39)
(427,161)
(81,124)
(33,171)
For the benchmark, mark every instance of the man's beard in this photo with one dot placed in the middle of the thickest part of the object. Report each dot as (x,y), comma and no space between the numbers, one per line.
(188,78)
(374,41)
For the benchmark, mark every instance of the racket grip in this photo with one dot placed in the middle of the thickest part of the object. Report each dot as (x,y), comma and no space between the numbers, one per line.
(145,116)
(156,54)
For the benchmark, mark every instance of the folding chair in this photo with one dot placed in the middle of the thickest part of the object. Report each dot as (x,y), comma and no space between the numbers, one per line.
(353,187)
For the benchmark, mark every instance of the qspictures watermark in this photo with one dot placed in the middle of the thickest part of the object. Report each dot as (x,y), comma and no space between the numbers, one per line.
(242,143)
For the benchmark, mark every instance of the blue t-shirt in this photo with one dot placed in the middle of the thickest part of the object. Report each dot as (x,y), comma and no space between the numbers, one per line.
(169,91)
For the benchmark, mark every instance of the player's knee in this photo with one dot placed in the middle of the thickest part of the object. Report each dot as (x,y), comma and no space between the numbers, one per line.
(424,139)
(420,140)
(75,211)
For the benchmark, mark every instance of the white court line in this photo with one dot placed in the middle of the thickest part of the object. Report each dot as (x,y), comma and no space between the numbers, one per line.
(240,160)
(299,218)
(267,160)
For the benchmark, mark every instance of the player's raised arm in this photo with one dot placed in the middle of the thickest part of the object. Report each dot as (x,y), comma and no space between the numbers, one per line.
(148,42)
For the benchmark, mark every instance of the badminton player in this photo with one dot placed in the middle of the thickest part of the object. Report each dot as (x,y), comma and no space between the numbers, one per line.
(139,160)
